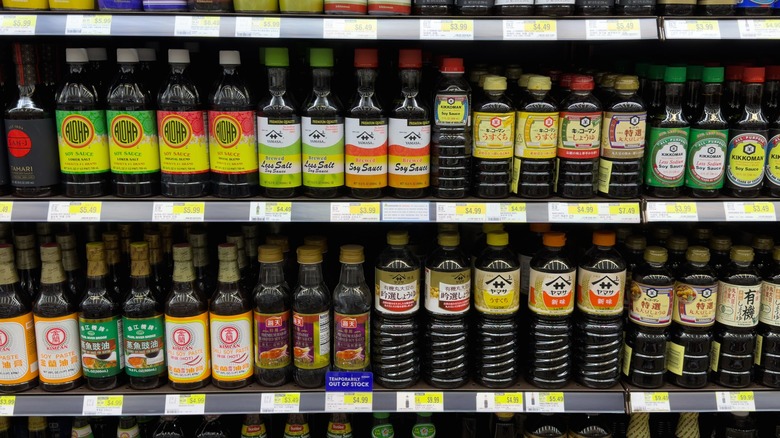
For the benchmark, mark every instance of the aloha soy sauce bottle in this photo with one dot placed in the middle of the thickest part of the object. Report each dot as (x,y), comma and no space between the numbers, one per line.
(767,358)
(272,305)
(746,157)
(494,137)
(311,320)
(708,141)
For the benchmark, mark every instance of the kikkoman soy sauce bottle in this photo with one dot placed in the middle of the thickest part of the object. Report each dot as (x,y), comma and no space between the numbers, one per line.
(746,157)
(708,140)
(311,320)
(767,358)
(273,324)
(351,313)
(494,139)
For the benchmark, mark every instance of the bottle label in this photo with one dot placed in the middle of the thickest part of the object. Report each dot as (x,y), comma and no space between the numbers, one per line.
(551,293)
(144,346)
(667,147)
(83,142)
(623,135)
(757,353)
(675,358)
(605,175)
(383,430)
(232,142)
(600,293)
(580,135)
(746,158)
(409,162)
(323,152)
(184,147)
(58,348)
(770,304)
(626,359)
(101,346)
(31,146)
(537,135)
(394,7)
(706,159)
(350,343)
(346,6)
(130,432)
(339,430)
(754,4)
(253,431)
(296,430)
(773,160)
(447,293)
(497,293)
(366,153)
(694,306)
(272,341)
(231,346)
(132,142)
(494,135)
(424,430)
(651,305)
(738,306)
(397,293)
(82,432)
(451,110)
(714,356)
(311,340)
(18,358)
(280,152)
(187,343)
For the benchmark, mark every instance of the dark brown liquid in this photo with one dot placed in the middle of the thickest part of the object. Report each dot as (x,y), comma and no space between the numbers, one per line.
(15,303)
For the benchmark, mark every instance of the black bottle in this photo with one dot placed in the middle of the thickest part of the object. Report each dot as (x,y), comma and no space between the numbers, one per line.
(748,133)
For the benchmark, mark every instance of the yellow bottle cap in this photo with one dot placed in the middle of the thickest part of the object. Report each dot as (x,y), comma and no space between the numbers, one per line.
(97,251)
(656,254)
(24,241)
(720,243)
(740,253)
(138,251)
(523,81)
(449,239)
(763,243)
(278,239)
(397,238)
(446,228)
(317,240)
(677,243)
(351,254)
(498,238)
(627,83)
(539,83)
(494,83)
(50,252)
(698,254)
(309,254)
(608,81)
(488,227)
(182,252)
(636,242)
(111,239)
(153,239)
(227,252)
(269,254)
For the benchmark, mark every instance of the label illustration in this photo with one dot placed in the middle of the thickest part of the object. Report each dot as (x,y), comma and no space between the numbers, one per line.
(350,341)
(447,292)
(184,145)
(59,355)
(706,158)
(132,142)
(409,162)
(187,342)
(738,306)
(279,143)
(694,305)
(366,153)
(667,152)
(623,135)
(651,305)
(451,110)
(232,142)
(323,152)
(397,293)
(272,340)
(18,357)
(494,135)
(339,430)
(551,293)
(31,146)
(311,340)
(746,158)
(102,354)
(144,346)
(497,293)
(231,346)
(536,135)
(82,140)
(580,135)
(600,293)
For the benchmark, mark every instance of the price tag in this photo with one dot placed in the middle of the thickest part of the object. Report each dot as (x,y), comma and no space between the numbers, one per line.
(513,212)
(350,28)
(181,404)
(728,401)
(461,212)
(446,29)
(88,25)
(759,28)
(280,403)
(499,402)
(196,26)
(623,212)
(270,211)
(749,211)
(74,211)
(7,404)
(102,405)
(573,212)
(6,210)
(420,401)
(544,402)
(672,211)
(355,211)
(178,211)
(650,402)
(406,211)
(530,30)
(18,24)
(624,29)
(258,27)
(349,401)
(691,29)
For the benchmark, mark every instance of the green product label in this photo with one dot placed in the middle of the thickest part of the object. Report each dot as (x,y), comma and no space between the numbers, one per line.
(145,346)
(773,159)
(279,152)
(101,346)
(666,157)
(132,142)
(426,430)
(706,158)
(83,143)
(383,431)
(323,152)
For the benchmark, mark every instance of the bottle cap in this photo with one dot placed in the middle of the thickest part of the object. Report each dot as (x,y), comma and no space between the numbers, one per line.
(6,253)
(656,72)
(97,54)
(566,79)
(319,57)
(636,242)
(452,65)
(398,238)
(702,233)
(776,253)
(554,239)
(182,252)
(763,243)
(656,254)
(138,251)
(410,58)
(24,241)
(677,243)
(278,239)
(443,228)
(76,56)
(492,226)
(540,227)
(675,75)
(513,73)
(67,241)
(494,83)
(475,74)
(111,239)
(482,78)
(449,239)
(197,238)
(366,58)
(662,233)
(351,254)
(522,82)
(698,254)
(694,72)
(227,252)
(320,241)
(640,69)
(734,72)
(753,75)
(153,239)
(498,238)
(277,57)
(740,253)
(381,415)
(505,416)
(424,414)
(712,75)
(627,83)
(309,254)
(608,81)
(178,56)
(773,73)
(126,56)
(539,83)
(50,252)
(720,243)
(581,83)
(604,238)
(250,231)
(621,232)
(269,254)
(146,55)
(229,57)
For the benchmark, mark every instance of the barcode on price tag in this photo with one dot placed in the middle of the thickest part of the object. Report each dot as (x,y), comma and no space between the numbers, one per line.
(102,405)
(18,24)
(750,211)
(446,29)
(88,25)
(7,405)
(530,30)
(178,211)
(181,404)
(672,211)
(196,26)
(544,402)
(759,28)
(420,402)
(258,27)
(74,211)
(743,401)
(650,402)
(270,211)
(280,403)
(608,29)
(499,402)
(350,28)
(355,212)
(348,401)
(6,210)
(691,29)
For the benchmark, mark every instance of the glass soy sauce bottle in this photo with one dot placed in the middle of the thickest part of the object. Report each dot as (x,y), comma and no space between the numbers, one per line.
(745,162)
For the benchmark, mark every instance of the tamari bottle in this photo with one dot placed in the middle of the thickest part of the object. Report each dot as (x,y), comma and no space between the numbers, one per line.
(706,162)
(746,156)
(494,138)
(272,303)
(311,320)
(536,141)
(351,313)
(767,357)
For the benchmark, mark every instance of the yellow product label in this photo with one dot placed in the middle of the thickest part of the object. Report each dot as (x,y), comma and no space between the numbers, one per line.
(187,343)
(627,353)
(515,184)
(537,135)
(494,135)
(497,293)
(651,305)
(738,305)
(759,348)
(40,5)
(675,357)
(59,351)
(132,142)
(605,175)
(232,142)
(714,355)
(600,293)
(770,304)
(451,110)
(231,346)
(184,145)
(83,143)
(694,305)
(18,357)
(623,135)
(551,293)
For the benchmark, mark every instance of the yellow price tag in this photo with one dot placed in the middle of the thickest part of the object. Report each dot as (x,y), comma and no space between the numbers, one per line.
(287,398)
(208,22)
(268,23)
(457,26)
(359,398)
(470,209)
(364,208)
(624,209)
(516,207)
(6,210)
(681,208)
(552,397)
(659,397)
(622,25)
(8,400)
(541,26)
(583,209)
(81,208)
(19,24)
(428,398)
(360,26)
(759,207)
(703,26)
(508,398)
(278,207)
(745,396)
(189,208)
(193,399)
(110,401)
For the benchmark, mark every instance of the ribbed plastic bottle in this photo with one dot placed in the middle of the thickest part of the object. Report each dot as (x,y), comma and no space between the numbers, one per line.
(494,138)
(767,358)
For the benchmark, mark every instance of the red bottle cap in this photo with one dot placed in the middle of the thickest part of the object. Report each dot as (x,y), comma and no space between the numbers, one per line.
(734,72)
(452,65)
(581,83)
(409,58)
(566,80)
(773,73)
(366,58)
(753,74)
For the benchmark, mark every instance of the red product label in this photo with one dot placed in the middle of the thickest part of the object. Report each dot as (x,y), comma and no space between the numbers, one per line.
(272,339)
(351,341)
(19,143)
(350,6)
(390,8)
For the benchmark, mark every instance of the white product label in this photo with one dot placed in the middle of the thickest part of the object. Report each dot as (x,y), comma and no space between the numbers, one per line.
(187,346)
(14,358)
(277,135)
(738,306)
(231,346)
(447,292)
(59,352)
(770,304)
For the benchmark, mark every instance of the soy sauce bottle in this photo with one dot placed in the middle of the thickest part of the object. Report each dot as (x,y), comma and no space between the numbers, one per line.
(676,7)
(272,303)
(351,313)
(554,8)
(514,8)
(768,342)
(748,133)
(311,316)
(536,141)
(708,140)
(494,135)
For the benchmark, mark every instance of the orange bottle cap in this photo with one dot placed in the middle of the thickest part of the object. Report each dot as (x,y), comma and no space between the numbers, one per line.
(366,58)
(604,238)
(540,228)
(554,239)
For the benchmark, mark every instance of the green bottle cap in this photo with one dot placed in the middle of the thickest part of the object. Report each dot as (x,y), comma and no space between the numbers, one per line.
(656,254)
(381,415)
(321,57)
(674,75)
(713,75)
(656,72)
(277,57)
(640,68)
(695,72)
(424,414)
(698,254)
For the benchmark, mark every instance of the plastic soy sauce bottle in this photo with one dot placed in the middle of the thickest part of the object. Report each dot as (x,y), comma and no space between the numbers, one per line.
(494,138)
(623,141)
(536,140)
(745,162)
(311,320)
(132,141)
(551,302)
(81,131)
(272,299)
(351,313)
(767,358)
(739,302)
(184,143)
(579,141)
(451,151)
(649,315)
(514,8)
(708,140)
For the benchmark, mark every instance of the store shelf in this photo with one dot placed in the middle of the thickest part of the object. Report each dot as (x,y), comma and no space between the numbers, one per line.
(709,399)
(714,210)
(709,28)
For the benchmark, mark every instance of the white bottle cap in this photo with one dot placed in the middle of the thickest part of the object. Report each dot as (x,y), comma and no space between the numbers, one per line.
(126,56)
(229,57)
(146,55)
(74,56)
(97,54)
(178,56)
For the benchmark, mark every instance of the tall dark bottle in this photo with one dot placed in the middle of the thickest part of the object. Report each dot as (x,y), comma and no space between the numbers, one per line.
(132,131)
(184,142)
(70,262)
(81,130)
(494,138)
(204,275)
(160,276)
(746,155)
(117,272)
(272,315)
(28,264)
(767,358)
(352,313)
(30,133)
(311,320)
(739,302)
(708,141)
(232,132)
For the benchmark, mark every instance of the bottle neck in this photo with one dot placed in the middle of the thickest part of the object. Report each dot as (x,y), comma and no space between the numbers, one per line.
(8,274)
(494,94)
(310,274)
(272,273)
(751,96)
(352,274)
(321,78)
(183,271)
(70,260)
(139,268)
(178,69)
(52,272)
(410,83)
(26,76)
(625,94)
(77,68)
(674,94)
(96,269)
(277,80)
(228,271)
(229,70)
(366,79)
(128,68)
(200,257)
(711,94)
(538,94)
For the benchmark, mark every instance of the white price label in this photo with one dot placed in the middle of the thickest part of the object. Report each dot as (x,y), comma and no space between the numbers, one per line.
(406,211)
(88,25)
(280,403)
(420,401)
(613,28)
(691,29)
(355,211)
(756,211)
(579,212)
(178,211)
(730,401)
(349,402)
(74,211)
(499,402)
(270,211)
(530,30)
(18,24)
(650,402)
(7,405)
(759,28)
(513,212)
(196,26)
(102,405)
(544,402)
(446,29)
(6,211)
(350,28)
(623,212)
(181,404)
(258,27)
(672,212)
